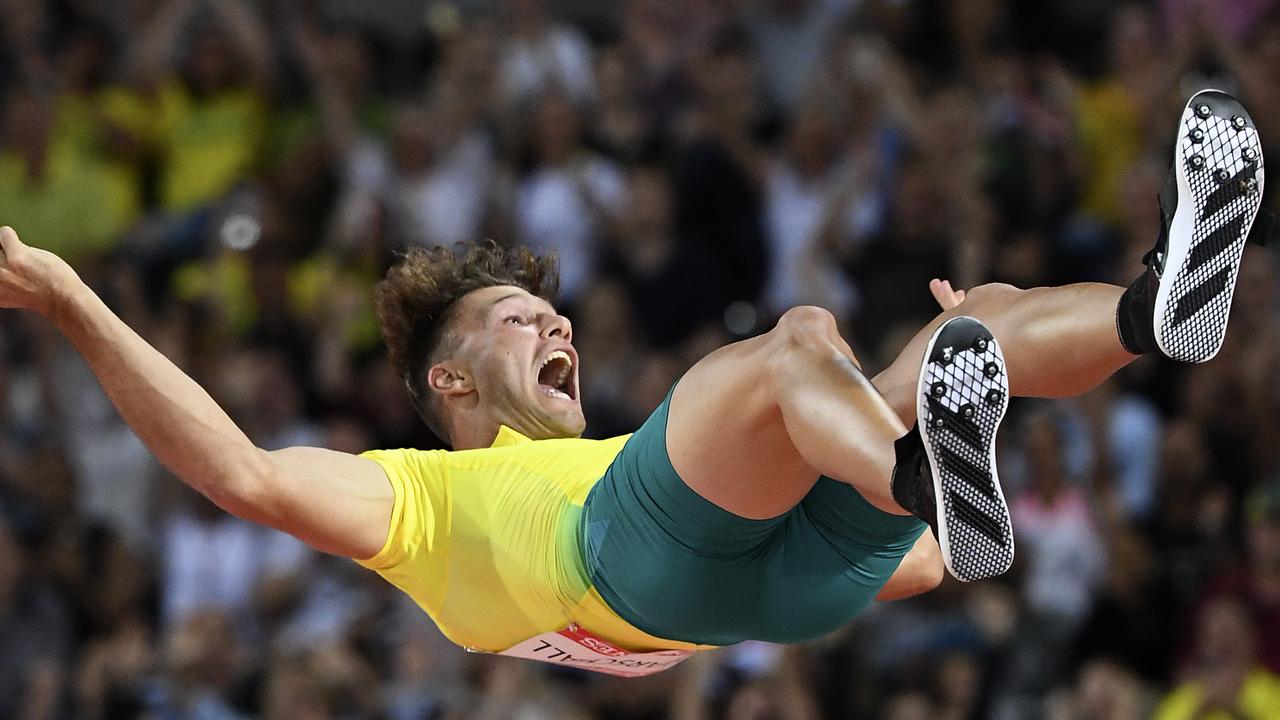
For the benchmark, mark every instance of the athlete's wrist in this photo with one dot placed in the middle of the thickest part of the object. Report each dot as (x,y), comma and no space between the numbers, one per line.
(69,299)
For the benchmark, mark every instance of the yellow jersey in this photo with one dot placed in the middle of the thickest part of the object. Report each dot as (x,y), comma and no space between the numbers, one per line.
(487,541)
(1259,699)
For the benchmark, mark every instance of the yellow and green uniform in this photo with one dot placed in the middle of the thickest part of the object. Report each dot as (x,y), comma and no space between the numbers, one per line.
(486,541)
(504,543)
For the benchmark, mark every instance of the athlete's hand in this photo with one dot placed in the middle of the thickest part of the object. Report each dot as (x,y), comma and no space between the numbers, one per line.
(946,296)
(31,278)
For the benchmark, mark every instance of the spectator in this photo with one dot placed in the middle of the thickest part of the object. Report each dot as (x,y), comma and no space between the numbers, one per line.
(1225,679)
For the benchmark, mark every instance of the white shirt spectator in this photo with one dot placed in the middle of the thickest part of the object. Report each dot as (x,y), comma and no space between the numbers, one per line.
(801,271)
(555,210)
(446,205)
(559,59)
(1133,438)
(1067,557)
(219,562)
(793,43)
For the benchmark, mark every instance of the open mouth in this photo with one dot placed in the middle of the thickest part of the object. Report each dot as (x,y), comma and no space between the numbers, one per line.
(555,378)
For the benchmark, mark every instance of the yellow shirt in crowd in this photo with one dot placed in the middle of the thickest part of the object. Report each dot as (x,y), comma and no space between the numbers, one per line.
(207,144)
(486,541)
(1259,699)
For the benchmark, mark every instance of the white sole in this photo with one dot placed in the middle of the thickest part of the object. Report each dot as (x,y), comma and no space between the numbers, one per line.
(1209,227)
(961,398)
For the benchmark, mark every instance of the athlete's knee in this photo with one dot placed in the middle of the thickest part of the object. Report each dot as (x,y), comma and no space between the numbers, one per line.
(803,336)
(801,331)
(806,324)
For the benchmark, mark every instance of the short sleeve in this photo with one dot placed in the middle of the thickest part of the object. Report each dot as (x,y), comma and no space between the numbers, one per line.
(419,521)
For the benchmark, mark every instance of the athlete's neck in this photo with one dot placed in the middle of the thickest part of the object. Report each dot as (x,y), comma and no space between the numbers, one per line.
(472,437)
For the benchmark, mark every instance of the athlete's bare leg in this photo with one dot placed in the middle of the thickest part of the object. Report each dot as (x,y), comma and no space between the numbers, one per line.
(753,425)
(1057,342)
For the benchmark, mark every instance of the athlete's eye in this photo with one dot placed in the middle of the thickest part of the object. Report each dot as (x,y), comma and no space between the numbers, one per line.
(514,320)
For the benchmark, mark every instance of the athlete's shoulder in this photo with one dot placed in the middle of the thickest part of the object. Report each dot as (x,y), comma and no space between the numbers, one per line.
(409,460)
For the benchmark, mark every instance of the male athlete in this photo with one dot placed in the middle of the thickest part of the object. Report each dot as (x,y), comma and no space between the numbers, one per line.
(772,495)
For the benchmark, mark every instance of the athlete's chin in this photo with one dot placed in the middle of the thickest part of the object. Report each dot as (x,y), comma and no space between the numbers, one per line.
(564,417)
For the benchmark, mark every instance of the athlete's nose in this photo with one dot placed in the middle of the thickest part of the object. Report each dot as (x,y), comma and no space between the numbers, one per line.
(558,326)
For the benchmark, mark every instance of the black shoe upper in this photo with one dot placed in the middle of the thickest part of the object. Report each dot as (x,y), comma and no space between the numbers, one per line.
(912,481)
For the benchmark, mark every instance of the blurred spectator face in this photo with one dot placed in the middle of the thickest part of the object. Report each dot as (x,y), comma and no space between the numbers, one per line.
(959,681)
(528,16)
(613,78)
(751,702)
(411,138)
(909,706)
(1043,456)
(727,82)
(1225,634)
(865,69)
(1130,562)
(1256,289)
(605,323)
(1184,453)
(279,399)
(123,584)
(656,373)
(1268,45)
(954,120)
(916,201)
(210,67)
(351,63)
(202,649)
(345,434)
(1105,690)
(294,694)
(83,60)
(48,482)
(28,120)
(1132,41)
(556,130)
(810,143)
(650,200)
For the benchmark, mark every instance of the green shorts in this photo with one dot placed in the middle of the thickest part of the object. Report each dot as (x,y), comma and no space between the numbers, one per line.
(677,566)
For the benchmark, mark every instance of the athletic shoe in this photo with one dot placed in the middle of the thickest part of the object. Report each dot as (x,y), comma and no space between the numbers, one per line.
(1207,212)
(961,398)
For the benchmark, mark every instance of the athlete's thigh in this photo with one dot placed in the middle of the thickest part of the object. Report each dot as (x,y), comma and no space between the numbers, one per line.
(726,438)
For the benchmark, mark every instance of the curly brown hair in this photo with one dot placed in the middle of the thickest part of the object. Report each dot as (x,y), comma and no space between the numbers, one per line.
(414,303)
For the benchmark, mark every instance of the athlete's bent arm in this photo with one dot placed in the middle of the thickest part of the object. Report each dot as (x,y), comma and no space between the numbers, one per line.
(336,502)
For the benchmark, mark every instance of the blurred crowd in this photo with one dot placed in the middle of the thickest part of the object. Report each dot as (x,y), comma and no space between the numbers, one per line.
(233,177)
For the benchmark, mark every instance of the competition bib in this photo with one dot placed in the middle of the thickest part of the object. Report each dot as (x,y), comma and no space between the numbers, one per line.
(575,647)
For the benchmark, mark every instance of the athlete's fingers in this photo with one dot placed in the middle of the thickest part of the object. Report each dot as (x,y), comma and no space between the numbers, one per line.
(946,296)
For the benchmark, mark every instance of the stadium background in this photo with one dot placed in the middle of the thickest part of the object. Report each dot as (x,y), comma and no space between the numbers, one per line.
(234,177)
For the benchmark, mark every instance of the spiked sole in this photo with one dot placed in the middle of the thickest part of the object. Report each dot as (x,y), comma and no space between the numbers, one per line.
(961,398)
(1218,166)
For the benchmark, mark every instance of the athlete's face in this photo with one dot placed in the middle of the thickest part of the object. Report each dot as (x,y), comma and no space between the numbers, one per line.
(521,364)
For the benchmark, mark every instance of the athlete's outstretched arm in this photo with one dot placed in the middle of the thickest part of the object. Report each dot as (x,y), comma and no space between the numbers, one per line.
(335,502)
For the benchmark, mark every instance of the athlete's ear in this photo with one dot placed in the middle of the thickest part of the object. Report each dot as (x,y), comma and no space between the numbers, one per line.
(448,378)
